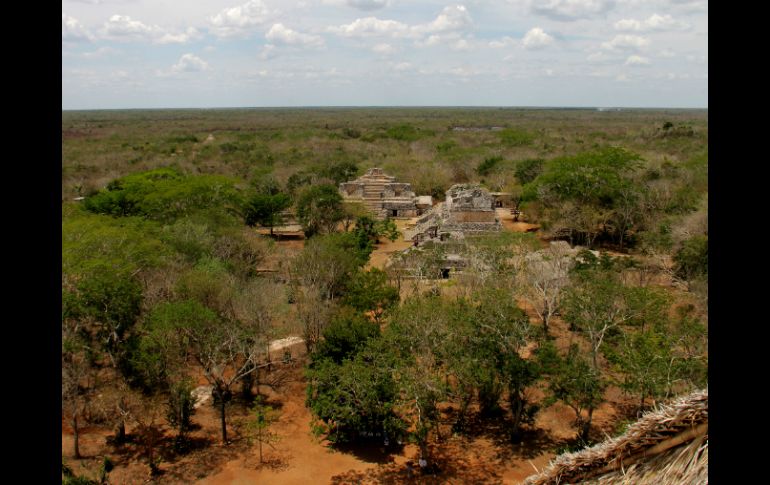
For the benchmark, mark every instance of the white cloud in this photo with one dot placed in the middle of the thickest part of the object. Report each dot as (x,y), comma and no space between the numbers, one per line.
(241,20)
(368,4)
(99,53)
(461,45)
(123,27)
(187,36)
(598,57)
(668,53)
(569,10)
(383,49)
(536,39)
(268,52)
(637,61)
(504,42)
(452,18)
(370,27)
(654,23)
(430,41)
(625,42)
(190,63)
(402,66)
(280,34)
(73,31)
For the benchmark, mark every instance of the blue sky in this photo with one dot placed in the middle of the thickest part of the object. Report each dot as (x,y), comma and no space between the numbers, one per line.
(232,53)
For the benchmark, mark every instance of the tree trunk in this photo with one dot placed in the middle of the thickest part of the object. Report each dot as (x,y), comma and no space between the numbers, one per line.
(517,407)
(424,451)
(587,425)
(75,437)
(222,405)
(120,434)
(544,316)
(259,438)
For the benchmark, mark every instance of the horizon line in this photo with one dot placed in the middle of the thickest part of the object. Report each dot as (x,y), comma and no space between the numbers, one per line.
(392,107)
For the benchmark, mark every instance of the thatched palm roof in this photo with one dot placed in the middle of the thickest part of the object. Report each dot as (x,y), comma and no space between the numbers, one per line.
(666,446)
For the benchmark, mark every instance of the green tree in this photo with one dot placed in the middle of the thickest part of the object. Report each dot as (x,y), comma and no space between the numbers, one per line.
(165,194)
(488,165)
(327,264)
(341,171)
(645,358)
(528,170)
(596,305)
(573,381)
(110,303)
(181,407)
(262,416)
(357,397)
(692,259)
(346,335)
(320,209)
(224,349)
(265,210)
(369,291)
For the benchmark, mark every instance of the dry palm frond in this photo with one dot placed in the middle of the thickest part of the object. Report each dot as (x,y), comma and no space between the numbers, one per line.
(668,445)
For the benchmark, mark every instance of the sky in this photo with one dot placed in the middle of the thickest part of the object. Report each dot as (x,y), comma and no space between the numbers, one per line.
(246,53)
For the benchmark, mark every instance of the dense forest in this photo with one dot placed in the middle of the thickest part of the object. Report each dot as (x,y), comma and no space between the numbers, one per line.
(173,280)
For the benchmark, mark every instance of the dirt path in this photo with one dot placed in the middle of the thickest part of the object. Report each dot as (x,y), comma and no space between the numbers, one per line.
(383,251)
(298,458)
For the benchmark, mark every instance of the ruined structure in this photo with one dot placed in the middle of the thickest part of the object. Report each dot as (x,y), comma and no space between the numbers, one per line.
(469,209)
(383,196)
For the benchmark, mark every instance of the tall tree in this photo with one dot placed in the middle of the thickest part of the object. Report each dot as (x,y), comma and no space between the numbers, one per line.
(544,277)
(319,209)
(224,349)
(265,210)
(573,381)
(258,426)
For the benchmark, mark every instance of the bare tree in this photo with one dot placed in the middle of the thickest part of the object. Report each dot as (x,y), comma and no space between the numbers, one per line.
(544,276)
(224,349)
(75,391)
(314,312)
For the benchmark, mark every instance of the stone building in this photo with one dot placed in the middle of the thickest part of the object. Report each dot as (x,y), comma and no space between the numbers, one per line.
(383,196)
(468,209)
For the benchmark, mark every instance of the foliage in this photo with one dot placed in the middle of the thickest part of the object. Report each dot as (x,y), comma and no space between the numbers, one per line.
(319,209)
(590,178)
(515,137)
(190,238)
(226,350)
(369,291)
(96,243)
(181,406)
(573,381)
(691,260)
(262,416)
(327,263)
(488,165)
(346,335)
(110,303)
(165,194)
(404,132)
(355,398)
(265,210)
(341,171)
(529,169)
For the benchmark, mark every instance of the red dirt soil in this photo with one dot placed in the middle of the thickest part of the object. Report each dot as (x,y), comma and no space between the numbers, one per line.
(483,456)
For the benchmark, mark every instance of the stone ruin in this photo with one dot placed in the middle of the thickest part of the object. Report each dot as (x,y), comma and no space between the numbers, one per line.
(469,209)
(384,197)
